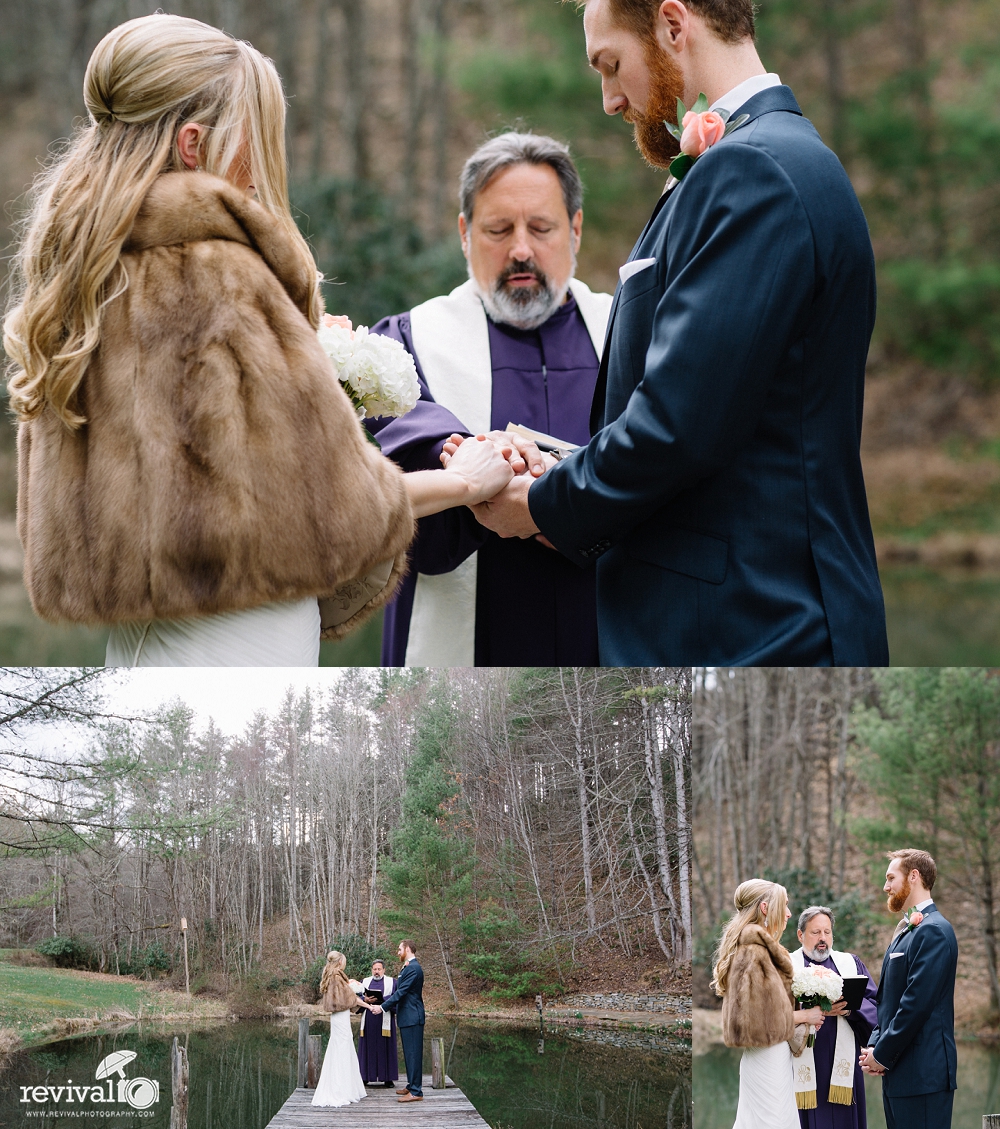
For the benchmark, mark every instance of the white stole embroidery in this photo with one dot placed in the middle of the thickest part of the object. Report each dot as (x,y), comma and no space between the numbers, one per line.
(451,340)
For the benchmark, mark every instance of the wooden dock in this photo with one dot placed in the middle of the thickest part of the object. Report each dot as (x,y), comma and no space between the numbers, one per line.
(441,1109)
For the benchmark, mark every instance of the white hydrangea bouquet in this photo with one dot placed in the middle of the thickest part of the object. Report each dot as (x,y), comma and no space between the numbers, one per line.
(816,986)
(377,373)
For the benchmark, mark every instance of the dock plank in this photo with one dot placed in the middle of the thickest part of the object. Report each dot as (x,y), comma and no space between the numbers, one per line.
(441,1109)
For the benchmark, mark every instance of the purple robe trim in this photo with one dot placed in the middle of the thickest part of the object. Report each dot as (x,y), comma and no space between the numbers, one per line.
(533,607)
(827,1115)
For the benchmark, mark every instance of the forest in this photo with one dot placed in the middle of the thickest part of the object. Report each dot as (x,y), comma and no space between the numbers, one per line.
(809,777)
(525,826)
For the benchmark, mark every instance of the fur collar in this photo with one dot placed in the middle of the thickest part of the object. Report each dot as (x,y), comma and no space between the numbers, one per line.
(758,935)
(188,207)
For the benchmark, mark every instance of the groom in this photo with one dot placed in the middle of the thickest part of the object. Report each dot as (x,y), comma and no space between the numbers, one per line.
(913,1046)
(407,1001)
(722,498)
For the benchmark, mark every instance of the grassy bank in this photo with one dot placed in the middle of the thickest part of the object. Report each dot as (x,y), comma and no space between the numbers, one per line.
(37,1004)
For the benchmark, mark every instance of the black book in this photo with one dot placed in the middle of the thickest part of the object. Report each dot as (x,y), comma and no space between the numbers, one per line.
(854,991)
(372,996)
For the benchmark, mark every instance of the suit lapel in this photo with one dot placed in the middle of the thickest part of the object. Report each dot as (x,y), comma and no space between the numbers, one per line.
(601,387)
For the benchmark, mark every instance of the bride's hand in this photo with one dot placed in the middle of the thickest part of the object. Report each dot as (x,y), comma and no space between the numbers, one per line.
(484,466)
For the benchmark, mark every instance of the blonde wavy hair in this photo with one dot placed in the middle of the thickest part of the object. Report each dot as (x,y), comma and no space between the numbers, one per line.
(747,900)
(145,79)
(335,965)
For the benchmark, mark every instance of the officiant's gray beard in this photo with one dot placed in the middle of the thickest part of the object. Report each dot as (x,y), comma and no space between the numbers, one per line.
(523,307)
(818,955)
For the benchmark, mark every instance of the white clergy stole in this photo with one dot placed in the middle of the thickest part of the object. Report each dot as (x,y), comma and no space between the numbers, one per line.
(844,1054)
(452,342)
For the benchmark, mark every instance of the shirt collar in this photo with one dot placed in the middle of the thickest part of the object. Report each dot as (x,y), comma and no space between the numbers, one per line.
(745,91)
(923,905)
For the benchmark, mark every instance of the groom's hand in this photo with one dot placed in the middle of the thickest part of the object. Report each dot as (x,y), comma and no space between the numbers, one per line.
(868,1064)
(507,513)
(376,1010)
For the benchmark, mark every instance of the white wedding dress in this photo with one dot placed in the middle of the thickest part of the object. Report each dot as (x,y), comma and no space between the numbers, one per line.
(340,1079)
(285,634)
(767,1095)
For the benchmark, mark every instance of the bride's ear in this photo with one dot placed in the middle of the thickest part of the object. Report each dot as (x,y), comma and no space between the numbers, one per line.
(763,909)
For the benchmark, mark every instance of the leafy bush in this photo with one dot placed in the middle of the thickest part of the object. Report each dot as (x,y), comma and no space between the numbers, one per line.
(496,954)
(375,259)
(149,961)
(69,952)
(360,954)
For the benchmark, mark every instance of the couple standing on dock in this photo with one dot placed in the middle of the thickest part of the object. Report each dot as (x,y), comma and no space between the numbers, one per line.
(346,1072)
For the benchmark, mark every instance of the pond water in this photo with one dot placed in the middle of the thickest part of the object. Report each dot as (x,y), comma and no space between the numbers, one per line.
(716,1079)
(241,1073)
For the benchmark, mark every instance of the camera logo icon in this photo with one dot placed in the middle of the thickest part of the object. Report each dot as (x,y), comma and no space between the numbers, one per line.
(139,1093)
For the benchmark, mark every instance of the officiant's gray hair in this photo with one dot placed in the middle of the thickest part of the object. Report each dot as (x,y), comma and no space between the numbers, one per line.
(509,149)
(814,911)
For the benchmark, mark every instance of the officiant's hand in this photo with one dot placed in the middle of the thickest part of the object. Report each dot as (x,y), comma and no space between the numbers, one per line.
(839,1008)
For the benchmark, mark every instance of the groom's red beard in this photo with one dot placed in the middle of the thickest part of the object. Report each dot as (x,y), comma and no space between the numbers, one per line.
(897,901)
(666,85)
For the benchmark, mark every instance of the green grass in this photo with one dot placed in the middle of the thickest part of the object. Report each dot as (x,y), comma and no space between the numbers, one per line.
(33,999)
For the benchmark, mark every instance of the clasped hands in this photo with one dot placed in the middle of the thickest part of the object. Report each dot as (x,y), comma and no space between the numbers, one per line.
(506,511)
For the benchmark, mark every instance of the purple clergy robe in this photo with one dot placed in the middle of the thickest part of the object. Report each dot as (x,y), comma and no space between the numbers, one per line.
(827,1115)
(377,1055)
(533,607)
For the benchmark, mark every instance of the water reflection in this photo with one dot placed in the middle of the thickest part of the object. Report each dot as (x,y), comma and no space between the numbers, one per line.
(241,1074)
(716,1078)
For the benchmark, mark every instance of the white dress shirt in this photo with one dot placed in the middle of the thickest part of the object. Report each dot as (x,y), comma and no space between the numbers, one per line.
(745,91)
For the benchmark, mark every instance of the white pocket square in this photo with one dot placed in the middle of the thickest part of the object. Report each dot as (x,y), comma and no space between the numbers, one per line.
(625,272)
(892,956)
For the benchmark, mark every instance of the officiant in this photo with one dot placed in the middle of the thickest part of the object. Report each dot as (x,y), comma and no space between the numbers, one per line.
(519,342)
(377,1055)
(829,1085)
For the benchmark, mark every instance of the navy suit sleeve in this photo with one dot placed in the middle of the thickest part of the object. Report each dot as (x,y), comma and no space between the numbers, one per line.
(928,970)
(404,985)
(739,272)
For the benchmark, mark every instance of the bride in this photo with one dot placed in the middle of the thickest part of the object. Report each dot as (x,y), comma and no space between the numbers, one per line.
(190,471)
(340,1079)
(753,975)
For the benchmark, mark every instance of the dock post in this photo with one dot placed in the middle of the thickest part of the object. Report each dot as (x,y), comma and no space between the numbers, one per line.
(315,1057)
(178,1086)
(437,1059)
(991,1121)
(303,1052)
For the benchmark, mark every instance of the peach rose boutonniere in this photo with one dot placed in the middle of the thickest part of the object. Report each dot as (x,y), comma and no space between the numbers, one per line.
(700,128)
(913,918)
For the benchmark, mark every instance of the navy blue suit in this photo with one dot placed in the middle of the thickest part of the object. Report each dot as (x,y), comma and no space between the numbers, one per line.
(723,493)
(407,1002)
(915,1036)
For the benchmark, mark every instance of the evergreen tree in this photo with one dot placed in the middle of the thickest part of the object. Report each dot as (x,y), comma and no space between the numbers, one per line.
(428,876)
